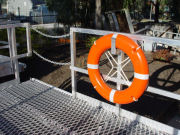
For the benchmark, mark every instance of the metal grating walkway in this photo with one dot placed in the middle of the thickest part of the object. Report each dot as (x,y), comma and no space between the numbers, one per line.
(34,108)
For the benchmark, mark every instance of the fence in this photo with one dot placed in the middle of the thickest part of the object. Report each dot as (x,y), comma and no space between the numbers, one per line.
(13,48)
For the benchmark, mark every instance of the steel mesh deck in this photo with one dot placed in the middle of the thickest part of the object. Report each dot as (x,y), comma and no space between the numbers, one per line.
(34,108)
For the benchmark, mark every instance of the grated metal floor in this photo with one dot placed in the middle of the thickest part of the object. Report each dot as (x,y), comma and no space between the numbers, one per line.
(34,108)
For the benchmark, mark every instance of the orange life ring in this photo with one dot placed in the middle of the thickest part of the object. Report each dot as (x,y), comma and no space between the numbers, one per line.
(138,59)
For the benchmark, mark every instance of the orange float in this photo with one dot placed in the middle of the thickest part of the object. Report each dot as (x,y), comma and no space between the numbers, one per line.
(138,59)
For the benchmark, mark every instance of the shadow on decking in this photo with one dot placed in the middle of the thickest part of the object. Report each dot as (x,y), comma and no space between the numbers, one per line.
(166,84)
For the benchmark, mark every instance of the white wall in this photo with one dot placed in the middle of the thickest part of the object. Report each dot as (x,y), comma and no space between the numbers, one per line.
(25,6)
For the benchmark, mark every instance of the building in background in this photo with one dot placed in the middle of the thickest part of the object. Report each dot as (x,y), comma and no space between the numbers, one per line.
(22,7)
(34,11)
(41,14)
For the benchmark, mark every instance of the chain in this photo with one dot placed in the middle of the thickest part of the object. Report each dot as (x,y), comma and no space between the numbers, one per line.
(49,36)
(50,61)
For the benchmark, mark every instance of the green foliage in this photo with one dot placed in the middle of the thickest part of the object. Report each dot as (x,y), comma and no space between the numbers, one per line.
(176,10)
(90,41)
(39,42)
(3,35)
(72,12)
(163,54)
(127,3)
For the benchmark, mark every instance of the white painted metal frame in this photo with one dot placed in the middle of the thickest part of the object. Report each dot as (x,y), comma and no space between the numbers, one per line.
(12,46)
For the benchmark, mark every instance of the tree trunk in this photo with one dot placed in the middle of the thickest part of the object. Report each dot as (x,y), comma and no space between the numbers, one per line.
(156,19)
(98,14)
(0,9)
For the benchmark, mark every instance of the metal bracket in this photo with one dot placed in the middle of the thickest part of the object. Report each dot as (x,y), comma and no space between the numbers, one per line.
(113,43)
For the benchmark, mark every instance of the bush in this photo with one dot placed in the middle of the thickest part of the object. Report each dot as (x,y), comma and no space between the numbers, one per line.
(90,41)
(163,55)
(39,42)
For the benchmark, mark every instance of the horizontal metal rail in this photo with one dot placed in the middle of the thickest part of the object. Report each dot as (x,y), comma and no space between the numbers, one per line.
(14,25)
(17,57)
(170,42)
(4,47)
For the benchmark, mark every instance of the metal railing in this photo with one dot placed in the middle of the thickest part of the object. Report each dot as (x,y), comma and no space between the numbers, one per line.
(13,48)
(119,82)
(135,37)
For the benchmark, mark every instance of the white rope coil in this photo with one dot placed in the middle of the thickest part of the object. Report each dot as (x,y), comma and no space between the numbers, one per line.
(50,61)
(49,36)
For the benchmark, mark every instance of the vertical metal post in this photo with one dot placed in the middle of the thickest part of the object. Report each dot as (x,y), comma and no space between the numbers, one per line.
(73,61)
(10,48)
(120,59)
(119,85)
(28,36)
(14,54)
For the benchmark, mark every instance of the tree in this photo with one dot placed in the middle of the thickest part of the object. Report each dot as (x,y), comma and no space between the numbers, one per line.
(1,2)
(98,14)
(108,5)
(175,9)
(157,5)
(72,12)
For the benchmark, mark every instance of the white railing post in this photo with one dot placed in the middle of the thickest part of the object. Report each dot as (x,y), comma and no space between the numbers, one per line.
(14,53)
(10,48)
(73,61)
(119,67)
(28,36)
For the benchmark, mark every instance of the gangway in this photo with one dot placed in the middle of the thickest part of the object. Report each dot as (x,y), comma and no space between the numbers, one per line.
(35,107)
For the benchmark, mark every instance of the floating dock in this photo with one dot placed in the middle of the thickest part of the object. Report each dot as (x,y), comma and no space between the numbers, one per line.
(33,107)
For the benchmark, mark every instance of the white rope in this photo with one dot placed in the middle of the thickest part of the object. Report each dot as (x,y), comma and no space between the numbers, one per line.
(112,57)
(124,60)
(109,59)
(49,36)
(125,77)
(50,61)
(126,63)
(121,72)
(126,81)
(107,76)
